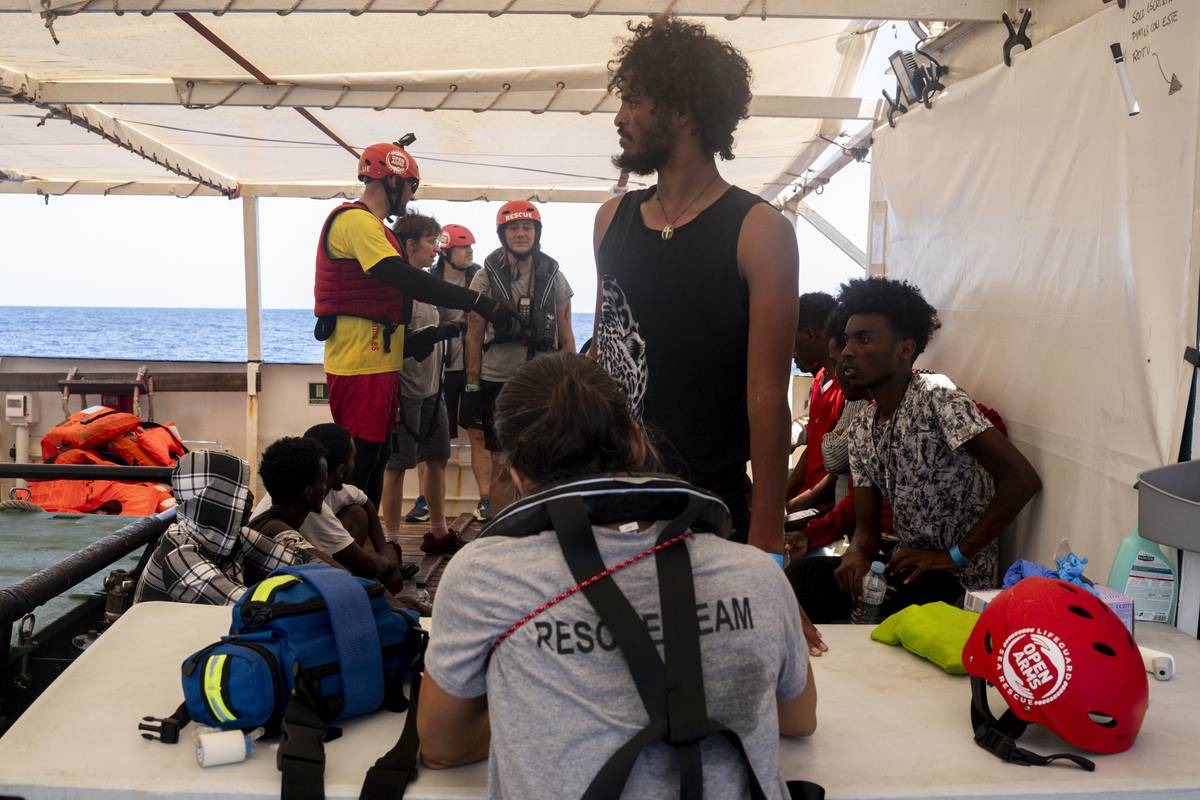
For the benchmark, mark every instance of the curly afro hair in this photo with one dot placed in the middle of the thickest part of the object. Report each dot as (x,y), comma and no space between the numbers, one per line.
(289,466)
(813,309)
(685,70)
(899,301)
(835,325)
(336,441)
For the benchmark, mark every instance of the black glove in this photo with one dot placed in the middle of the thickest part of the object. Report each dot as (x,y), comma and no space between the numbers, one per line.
(495,311)
(451,330)
(419,345)
(471,410)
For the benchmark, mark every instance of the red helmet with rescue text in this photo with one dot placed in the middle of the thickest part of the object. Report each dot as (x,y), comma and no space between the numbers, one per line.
(383,159)
(1060,658)
(455,236)
(516,211)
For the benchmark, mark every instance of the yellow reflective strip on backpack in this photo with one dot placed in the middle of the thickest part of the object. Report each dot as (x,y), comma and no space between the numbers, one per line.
(213,670)
(264,588)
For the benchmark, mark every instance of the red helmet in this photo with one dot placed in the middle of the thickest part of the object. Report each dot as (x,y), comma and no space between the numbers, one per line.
(455,236)
(1061,658)
(380,160)
(514,210)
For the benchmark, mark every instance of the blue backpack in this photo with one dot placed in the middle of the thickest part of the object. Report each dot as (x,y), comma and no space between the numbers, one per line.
(308,645)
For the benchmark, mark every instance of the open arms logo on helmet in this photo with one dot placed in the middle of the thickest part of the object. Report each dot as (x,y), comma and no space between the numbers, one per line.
(1035,665)
(1060,658)
(455,236)
(388,158)
(397,162)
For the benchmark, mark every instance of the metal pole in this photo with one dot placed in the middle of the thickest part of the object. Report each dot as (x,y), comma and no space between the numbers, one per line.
(21,443)
(250,248)
(85,472)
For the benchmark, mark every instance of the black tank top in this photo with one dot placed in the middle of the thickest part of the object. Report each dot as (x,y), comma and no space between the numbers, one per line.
(692,307)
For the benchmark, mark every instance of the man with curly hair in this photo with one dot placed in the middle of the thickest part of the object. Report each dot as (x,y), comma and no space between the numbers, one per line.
(954,481)
(707,270)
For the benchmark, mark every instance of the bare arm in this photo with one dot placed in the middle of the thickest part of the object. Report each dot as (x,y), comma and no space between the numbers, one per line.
(797,477)
(864,544)
(798,716)
(819,494)
(868,508)
(473,347)
(374,528)
(769,263)
(566,334)
(453,730)
(357,561)
(1016,483)
(604,218)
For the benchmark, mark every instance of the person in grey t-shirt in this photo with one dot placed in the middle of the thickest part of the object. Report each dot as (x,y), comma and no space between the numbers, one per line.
(554,699)
(520,275)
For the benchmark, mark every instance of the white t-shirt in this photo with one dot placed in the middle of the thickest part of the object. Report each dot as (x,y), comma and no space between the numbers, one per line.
(324,531)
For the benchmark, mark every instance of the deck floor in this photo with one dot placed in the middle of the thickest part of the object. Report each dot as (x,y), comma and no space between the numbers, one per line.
(410,544)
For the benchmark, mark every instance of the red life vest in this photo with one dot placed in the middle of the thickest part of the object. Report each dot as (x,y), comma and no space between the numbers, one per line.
(342,287)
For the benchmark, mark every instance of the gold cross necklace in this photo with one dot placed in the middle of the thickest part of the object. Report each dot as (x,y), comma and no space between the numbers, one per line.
(669,229)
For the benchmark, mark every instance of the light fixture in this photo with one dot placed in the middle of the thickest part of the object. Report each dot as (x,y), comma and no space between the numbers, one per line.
(909,76)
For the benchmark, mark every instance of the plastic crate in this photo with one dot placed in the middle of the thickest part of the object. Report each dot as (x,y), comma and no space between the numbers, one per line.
(1169,505)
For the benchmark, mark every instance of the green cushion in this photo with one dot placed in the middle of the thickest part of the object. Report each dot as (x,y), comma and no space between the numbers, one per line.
(935,631)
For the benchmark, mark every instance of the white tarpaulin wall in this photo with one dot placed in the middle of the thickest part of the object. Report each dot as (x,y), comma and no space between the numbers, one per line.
(1054,234)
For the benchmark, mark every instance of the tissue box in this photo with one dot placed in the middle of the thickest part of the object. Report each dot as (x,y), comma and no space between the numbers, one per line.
(1121,604)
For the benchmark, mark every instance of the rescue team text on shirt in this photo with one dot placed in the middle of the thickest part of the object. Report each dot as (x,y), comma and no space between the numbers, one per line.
(565,638)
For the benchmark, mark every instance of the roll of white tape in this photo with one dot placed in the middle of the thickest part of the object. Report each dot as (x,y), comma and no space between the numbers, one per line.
(215,749)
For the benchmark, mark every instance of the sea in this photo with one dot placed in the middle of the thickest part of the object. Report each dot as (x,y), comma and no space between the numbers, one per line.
(171,334)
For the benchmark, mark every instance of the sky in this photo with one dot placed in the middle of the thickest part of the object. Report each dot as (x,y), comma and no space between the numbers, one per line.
(170,252)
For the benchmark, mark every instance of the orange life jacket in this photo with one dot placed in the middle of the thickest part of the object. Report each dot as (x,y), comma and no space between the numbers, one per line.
(105,437)
(105,497)
(87,430)
(150,445)
(77,456)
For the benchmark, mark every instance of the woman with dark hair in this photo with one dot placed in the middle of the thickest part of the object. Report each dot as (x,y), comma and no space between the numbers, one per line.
(524,645)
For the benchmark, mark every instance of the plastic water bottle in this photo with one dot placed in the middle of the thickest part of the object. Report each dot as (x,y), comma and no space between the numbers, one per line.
(874,589)
(422,595)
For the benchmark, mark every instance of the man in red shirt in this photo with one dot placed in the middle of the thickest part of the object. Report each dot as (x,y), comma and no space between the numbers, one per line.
(810,486)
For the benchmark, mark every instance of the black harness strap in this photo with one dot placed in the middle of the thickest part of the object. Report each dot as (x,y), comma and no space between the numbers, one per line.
(301,754)
(998,736)
(388,779)
(687,712)
(673,693)
(633,637)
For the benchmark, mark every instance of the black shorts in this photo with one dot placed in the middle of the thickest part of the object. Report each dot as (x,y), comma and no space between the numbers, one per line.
(490,391)
(452,389)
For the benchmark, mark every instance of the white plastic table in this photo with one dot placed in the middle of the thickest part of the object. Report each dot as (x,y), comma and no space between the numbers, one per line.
(890,726)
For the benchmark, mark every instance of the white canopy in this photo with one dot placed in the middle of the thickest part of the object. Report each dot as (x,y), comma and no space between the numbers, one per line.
(503,106)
